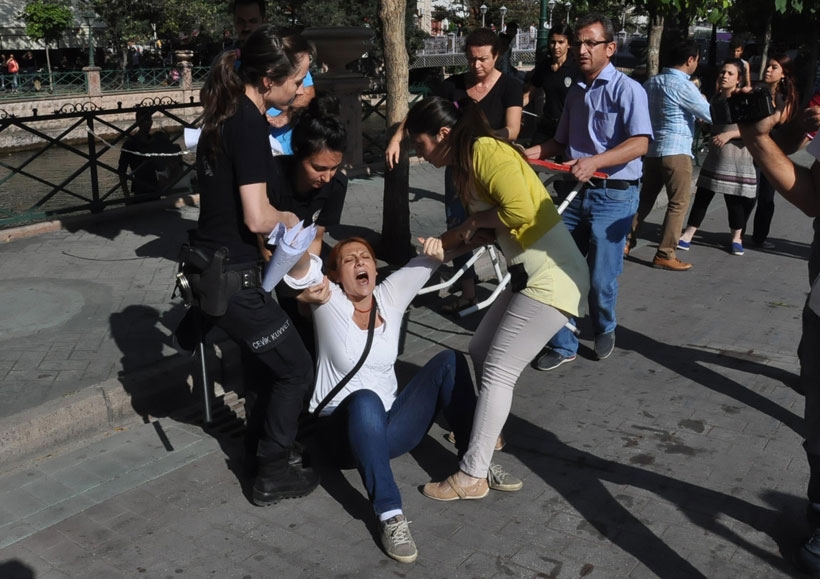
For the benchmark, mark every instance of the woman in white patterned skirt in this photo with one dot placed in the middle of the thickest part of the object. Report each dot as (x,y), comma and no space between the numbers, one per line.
(728,169)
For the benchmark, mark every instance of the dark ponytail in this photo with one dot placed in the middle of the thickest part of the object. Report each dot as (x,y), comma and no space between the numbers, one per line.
(264,54)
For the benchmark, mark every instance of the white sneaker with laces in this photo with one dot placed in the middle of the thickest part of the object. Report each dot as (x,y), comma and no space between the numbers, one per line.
(397,541)
(501,480)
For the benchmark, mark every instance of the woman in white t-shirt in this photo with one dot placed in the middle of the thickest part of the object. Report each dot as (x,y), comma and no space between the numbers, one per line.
(369,421)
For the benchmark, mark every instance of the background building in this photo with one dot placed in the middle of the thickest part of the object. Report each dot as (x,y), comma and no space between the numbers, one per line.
(13,30)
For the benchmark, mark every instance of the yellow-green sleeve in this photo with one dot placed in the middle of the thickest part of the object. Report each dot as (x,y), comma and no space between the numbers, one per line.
(504,178)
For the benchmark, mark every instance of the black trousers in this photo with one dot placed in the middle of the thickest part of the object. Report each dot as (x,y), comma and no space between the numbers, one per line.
(739,208)
(765,209)
(278,369)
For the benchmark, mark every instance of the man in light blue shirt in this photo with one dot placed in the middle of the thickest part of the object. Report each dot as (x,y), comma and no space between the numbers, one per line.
(674,105)
(604,127)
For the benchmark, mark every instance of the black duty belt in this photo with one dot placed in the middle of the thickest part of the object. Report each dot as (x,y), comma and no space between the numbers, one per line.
(251,274)
(619,184)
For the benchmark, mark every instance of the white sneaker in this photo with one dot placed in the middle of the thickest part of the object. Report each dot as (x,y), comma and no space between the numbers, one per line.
(501,480)
(397,541)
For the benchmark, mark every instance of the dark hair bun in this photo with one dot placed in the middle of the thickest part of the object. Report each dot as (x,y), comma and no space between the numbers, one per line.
(319,126)
(325,104)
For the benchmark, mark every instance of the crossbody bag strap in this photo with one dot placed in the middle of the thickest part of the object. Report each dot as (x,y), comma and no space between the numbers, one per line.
(371,327)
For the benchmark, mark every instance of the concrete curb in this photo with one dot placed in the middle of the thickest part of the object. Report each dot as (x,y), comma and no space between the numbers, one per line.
(90,413)
(165,388)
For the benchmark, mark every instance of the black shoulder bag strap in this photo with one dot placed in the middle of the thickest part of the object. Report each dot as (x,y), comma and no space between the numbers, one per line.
(371,326)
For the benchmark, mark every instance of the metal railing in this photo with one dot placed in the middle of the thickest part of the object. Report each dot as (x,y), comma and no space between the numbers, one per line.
(37,84)
(64,175)
(75,82)
(448,50)
(72,157)
(519,57)
(199,74)
(450,44)
(147,78)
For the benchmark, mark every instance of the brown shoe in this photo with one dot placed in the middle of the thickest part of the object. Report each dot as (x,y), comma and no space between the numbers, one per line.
(672,264)
(450,490)
(627,248)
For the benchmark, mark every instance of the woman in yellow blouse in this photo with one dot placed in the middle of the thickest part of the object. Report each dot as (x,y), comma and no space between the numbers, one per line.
(550,279)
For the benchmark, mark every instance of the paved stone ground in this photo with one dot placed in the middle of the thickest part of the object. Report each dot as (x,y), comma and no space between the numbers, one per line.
(679,456)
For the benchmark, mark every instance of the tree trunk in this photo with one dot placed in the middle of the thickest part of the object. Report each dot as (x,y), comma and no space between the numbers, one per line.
(767,41)
(709,73)
(50,76)
(396,244)
(653,46)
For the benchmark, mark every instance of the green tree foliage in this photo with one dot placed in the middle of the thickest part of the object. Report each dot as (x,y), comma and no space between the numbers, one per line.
(779,25)
(47,20)
(791,21)
(678,15)
(308,13)
(300,14)
(188,23)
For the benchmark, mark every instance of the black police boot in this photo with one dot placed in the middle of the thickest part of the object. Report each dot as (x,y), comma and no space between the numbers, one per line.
(282,477)
(807,557)
(249,466)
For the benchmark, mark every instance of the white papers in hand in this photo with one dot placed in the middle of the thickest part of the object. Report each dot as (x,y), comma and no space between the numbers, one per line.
(275,146)
(191,138)
(290,244)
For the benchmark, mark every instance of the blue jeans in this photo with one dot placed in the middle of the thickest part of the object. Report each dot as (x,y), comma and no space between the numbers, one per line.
(361,432)
(599,220)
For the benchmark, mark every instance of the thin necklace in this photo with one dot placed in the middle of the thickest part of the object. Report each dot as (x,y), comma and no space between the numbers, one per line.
(482,87)
(367,310)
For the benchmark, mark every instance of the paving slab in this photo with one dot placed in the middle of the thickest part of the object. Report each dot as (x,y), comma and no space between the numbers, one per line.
(679,456)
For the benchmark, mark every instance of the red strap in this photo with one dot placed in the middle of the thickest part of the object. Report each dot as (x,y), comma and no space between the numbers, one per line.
(561,168)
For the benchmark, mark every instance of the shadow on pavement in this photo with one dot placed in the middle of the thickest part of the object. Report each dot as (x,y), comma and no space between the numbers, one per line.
(720,241)
(170,225)
(172,387)
(417,194)
(578,477)
(691,363)
(15,569)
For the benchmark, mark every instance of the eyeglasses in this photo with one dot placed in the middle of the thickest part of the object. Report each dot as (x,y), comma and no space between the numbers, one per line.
(590,44)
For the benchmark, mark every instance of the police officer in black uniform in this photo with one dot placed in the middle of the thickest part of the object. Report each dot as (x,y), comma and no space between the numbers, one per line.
(235,169)
(309,184)
(554,72)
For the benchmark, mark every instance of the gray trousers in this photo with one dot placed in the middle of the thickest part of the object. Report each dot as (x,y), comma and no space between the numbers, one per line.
(507,339)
